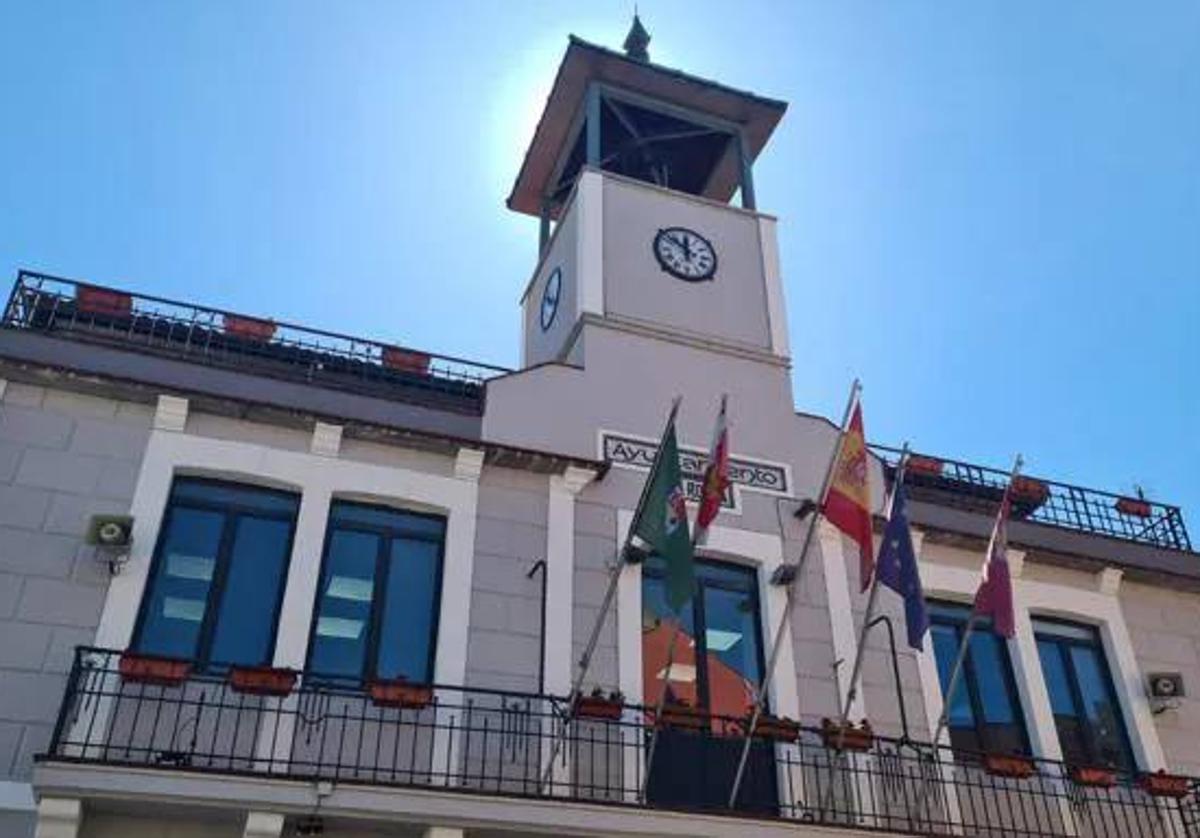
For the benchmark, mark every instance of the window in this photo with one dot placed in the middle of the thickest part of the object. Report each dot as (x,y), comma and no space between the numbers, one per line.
(376,611)
(1091,730)
(216,582)
(717,666)
(984,713)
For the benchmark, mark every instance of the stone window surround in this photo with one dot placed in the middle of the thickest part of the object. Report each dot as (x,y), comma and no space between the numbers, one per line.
(318,478)
(762,551)
(1097,606)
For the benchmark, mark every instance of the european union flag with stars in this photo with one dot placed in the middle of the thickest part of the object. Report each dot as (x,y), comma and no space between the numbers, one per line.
(897,568)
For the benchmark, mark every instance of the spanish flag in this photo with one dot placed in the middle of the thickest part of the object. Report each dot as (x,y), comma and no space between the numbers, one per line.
(848,504)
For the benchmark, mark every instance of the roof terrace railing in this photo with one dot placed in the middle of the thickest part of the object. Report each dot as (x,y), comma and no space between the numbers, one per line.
(186,331)
(979,489)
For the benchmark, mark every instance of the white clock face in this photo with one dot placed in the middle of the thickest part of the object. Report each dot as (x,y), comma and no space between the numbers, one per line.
(550,295)
(685,254)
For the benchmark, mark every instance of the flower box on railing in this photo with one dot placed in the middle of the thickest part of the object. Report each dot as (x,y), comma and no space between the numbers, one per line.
(775,728)
(1029,490)
(1134,506)
(1009,765)
(601,707)
(847,737)
(262,680)
(250,328)
(402,694)
(1093,776)
(929,466)
(91,300)
(683,717)
(153,669)
(405,360)
(1162,784)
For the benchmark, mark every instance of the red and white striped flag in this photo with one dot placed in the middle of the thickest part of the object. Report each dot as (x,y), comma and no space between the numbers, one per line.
(716,476)
(994,598)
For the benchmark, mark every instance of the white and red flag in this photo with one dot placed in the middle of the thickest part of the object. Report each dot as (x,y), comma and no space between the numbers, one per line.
(994,599)
(716,476)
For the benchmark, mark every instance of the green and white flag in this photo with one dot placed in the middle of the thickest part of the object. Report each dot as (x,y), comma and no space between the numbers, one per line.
(661,520)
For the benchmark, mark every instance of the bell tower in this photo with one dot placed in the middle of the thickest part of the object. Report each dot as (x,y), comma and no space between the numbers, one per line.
(633,171)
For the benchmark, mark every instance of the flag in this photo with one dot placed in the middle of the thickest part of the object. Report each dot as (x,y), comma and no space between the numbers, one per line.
(716,476)
(848,504)
(661,520)
(897,567)
(994,598)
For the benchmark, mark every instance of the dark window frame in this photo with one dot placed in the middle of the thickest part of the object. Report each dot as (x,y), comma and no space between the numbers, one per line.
(970,679)
(382,568)
(232,513)
(752,573)
(1096,644)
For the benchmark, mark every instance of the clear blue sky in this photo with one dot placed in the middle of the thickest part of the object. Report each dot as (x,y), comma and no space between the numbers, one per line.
(990,211)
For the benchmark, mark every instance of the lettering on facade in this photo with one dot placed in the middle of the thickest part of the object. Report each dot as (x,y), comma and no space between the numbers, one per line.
(752,475)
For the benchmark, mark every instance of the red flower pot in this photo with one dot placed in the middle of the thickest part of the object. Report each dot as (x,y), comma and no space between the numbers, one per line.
(1030,490)
(250,328)
(598,707)
(683,717)
(262,680)
(401,694)
(153,669)
(1009,765)
(405,360)
(1093,777)
(1162,784)
(103,301)
(930,466)
(849,737)
(775,728)
(1133,506)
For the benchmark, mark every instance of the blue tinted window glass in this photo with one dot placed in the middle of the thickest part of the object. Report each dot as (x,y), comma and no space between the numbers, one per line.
(731,639)
(406,625)
(253,585)
(184,570)
(227,494)
(347,588)
(945,647)
(1057,683)
(378,517)
(994,695)
(1100,707)
(659,623)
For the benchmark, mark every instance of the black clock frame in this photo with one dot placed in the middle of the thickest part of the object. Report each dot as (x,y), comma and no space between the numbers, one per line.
(664,265)
(555,276)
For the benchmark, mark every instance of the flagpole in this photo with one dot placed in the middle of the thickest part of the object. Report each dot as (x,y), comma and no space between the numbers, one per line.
(662,696)
(972,621)
(855,392)
(852,691)
(585,660)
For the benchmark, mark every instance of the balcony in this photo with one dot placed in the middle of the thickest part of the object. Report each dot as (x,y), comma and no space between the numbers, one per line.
(494,745)
(78,311)
(972,488)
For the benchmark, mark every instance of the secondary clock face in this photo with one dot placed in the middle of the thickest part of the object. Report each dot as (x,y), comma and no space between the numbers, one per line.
(685,254)
(550,295)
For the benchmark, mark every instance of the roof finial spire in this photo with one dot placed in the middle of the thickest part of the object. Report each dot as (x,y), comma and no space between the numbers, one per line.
(637,40)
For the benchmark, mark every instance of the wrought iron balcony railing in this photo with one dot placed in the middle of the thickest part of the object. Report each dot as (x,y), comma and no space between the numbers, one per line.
(184,331)
(499,742)
(979,489)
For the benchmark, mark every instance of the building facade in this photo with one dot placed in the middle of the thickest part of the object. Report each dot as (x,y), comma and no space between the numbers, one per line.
(358,578)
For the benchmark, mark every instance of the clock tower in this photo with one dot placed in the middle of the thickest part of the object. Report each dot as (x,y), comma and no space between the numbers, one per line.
(654,261)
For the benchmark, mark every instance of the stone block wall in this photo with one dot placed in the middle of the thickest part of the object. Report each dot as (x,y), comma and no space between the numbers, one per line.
(63,457)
